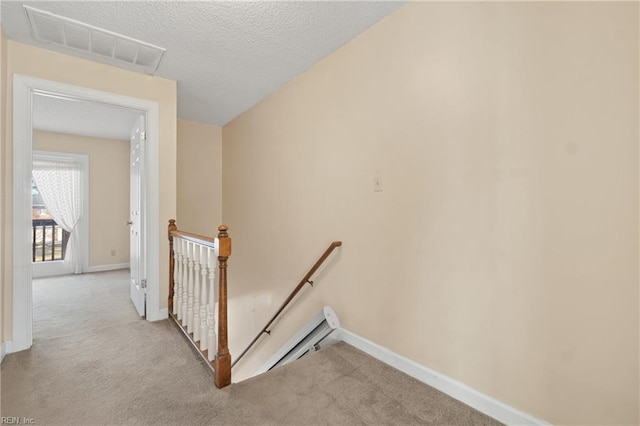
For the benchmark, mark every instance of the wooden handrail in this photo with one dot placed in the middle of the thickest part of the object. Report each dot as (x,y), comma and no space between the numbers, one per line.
(305,280)
(196,238)
(221,364)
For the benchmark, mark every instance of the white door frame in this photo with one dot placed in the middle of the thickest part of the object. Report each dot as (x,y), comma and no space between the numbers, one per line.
(137,225)
(24,88)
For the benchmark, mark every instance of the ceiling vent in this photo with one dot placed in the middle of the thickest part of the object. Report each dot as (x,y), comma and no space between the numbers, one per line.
(93,42)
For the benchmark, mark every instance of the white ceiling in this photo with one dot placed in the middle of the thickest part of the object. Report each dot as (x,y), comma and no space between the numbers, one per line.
(226,56)
(82,118)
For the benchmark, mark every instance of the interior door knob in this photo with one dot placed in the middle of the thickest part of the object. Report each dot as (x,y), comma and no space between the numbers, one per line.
(129,223)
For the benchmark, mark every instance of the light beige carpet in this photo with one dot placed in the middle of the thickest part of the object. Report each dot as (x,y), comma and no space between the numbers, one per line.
(129,371)
(71,304)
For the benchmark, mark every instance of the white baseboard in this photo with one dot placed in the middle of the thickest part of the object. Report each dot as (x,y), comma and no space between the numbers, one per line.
(6,348)
(485,404)
(112,267)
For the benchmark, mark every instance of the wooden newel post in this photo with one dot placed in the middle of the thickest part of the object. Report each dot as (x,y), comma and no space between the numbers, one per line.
(172,227)
(223,358)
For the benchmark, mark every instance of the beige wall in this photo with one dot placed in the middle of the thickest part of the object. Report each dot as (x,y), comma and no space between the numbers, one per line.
(108,191)
(503,250)
(199,177)
(3,126)
(45,64)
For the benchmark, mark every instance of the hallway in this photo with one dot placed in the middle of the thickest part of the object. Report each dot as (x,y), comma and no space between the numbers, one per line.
(119,369)
(94,361)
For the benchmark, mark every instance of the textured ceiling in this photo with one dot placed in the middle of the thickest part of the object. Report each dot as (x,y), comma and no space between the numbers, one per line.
(226,56)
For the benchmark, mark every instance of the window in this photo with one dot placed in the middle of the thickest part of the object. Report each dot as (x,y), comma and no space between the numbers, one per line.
(49,241)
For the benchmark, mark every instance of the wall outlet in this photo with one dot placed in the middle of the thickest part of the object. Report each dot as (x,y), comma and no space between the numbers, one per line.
(377,183)
(113,252)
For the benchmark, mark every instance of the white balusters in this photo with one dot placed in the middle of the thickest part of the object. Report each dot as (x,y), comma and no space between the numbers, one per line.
(194,292)
(211,334)
(204,254)
(190,251)
(185,286)
(177,277)
(197,252)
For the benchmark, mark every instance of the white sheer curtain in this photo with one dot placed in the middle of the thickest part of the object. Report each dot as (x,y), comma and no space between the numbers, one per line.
(60,185)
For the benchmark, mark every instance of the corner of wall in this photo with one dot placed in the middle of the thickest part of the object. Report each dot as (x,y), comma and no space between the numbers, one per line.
(199,165)
(3,140)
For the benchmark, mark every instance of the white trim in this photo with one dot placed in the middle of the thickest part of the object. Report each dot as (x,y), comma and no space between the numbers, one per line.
(111,267)
(55,268)
(7,348)
(158,315)
(24,88)
(485,404)
(152,209)
(22,143)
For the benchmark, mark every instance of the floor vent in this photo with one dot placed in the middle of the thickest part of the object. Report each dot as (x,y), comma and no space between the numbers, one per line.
(91,41)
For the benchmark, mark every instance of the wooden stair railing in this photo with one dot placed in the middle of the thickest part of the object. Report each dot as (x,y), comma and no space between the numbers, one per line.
(197,304)
(305,280)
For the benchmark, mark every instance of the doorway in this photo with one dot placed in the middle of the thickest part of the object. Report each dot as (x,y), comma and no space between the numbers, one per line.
(24,89)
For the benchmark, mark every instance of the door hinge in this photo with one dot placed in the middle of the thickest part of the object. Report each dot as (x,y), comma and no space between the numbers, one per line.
(143,136)
(143,283)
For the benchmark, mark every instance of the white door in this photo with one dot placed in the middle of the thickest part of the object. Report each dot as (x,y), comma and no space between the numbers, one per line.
(136,220)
